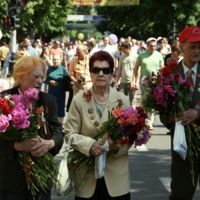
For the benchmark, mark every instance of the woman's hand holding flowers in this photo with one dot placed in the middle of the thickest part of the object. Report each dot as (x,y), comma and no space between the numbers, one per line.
(112,144)
(36,146)
(96,149)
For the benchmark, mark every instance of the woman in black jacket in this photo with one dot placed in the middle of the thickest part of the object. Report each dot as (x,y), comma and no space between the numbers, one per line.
(28,73)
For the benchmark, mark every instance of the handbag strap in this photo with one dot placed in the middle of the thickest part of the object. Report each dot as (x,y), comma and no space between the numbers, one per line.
(67,148)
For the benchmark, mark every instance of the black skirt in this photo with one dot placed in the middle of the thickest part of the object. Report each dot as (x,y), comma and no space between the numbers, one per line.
(101,193)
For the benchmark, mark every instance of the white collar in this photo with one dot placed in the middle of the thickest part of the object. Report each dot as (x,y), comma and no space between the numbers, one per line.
(194,68)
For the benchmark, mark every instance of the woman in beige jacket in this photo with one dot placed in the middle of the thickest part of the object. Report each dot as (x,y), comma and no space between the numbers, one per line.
(89,109)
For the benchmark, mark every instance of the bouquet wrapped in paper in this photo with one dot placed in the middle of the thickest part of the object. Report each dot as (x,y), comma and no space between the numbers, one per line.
(19,121)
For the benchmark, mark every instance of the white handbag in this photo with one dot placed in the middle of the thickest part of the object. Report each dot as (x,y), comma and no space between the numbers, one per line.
(65,176)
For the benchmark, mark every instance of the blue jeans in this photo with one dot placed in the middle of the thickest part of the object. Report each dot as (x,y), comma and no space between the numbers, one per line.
(5,66)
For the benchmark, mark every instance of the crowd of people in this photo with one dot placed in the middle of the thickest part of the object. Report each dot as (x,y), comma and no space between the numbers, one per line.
(102,72)
(124,52)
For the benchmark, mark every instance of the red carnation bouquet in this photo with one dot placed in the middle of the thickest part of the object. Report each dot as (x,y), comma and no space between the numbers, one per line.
(126,126)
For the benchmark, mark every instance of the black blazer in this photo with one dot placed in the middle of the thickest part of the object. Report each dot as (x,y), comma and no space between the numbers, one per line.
(12,177)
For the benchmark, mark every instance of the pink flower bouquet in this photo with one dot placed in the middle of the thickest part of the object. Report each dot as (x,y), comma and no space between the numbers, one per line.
(19,121)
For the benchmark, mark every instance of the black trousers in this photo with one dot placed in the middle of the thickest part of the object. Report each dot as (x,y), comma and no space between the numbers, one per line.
(181,184)
(2,63)
(24,195)
(101,193)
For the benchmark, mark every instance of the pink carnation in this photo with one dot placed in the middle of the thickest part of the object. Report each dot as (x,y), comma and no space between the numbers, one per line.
(117,112)
(20,118)
(122,121)
(31,94)
(181,80)
(160,99)
(129,111)
(169,89)
(17,98)
(4,122)
(132,119)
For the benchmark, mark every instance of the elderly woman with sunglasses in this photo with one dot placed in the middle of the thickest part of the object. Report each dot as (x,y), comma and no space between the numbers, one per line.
(88,111)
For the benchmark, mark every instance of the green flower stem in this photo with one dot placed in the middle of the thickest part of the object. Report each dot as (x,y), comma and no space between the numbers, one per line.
(40,171)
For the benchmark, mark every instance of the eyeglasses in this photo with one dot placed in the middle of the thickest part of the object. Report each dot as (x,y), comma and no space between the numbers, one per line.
(37,77)
(96,70)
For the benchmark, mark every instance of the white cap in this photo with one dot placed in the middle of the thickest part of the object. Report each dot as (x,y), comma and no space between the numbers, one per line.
(159,38)
(151,39)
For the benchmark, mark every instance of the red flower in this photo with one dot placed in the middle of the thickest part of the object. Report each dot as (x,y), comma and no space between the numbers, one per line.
(172,64)
(141,112)
(117,112)
(122,121)
(132,119)
(166,71)
(38,111)
(124,140)
(176,76)
(186,84)
(5,106)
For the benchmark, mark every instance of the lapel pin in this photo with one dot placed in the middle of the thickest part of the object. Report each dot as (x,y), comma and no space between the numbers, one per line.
(90,110)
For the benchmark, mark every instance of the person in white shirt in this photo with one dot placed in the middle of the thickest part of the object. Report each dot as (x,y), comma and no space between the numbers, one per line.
(134,47)
(69,55)
(92,48)
(106,47)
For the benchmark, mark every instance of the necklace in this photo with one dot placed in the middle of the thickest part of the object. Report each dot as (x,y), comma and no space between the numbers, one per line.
(99,102)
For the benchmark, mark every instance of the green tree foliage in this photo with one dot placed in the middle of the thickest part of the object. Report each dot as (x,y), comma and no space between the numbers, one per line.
(150,18)
(45,15)
(41,16)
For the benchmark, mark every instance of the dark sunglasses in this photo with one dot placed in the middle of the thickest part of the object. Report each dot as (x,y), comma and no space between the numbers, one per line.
(96,70)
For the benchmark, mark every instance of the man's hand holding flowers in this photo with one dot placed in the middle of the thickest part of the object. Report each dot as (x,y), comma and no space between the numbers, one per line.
(188,116)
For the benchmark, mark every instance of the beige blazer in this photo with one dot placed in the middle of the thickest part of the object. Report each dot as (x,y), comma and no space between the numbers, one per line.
(82,124)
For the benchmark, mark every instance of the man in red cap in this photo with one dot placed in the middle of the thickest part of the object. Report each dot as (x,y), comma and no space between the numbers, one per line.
(182,186)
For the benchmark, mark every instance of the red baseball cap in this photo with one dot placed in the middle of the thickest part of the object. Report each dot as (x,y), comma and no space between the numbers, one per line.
(190,34)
